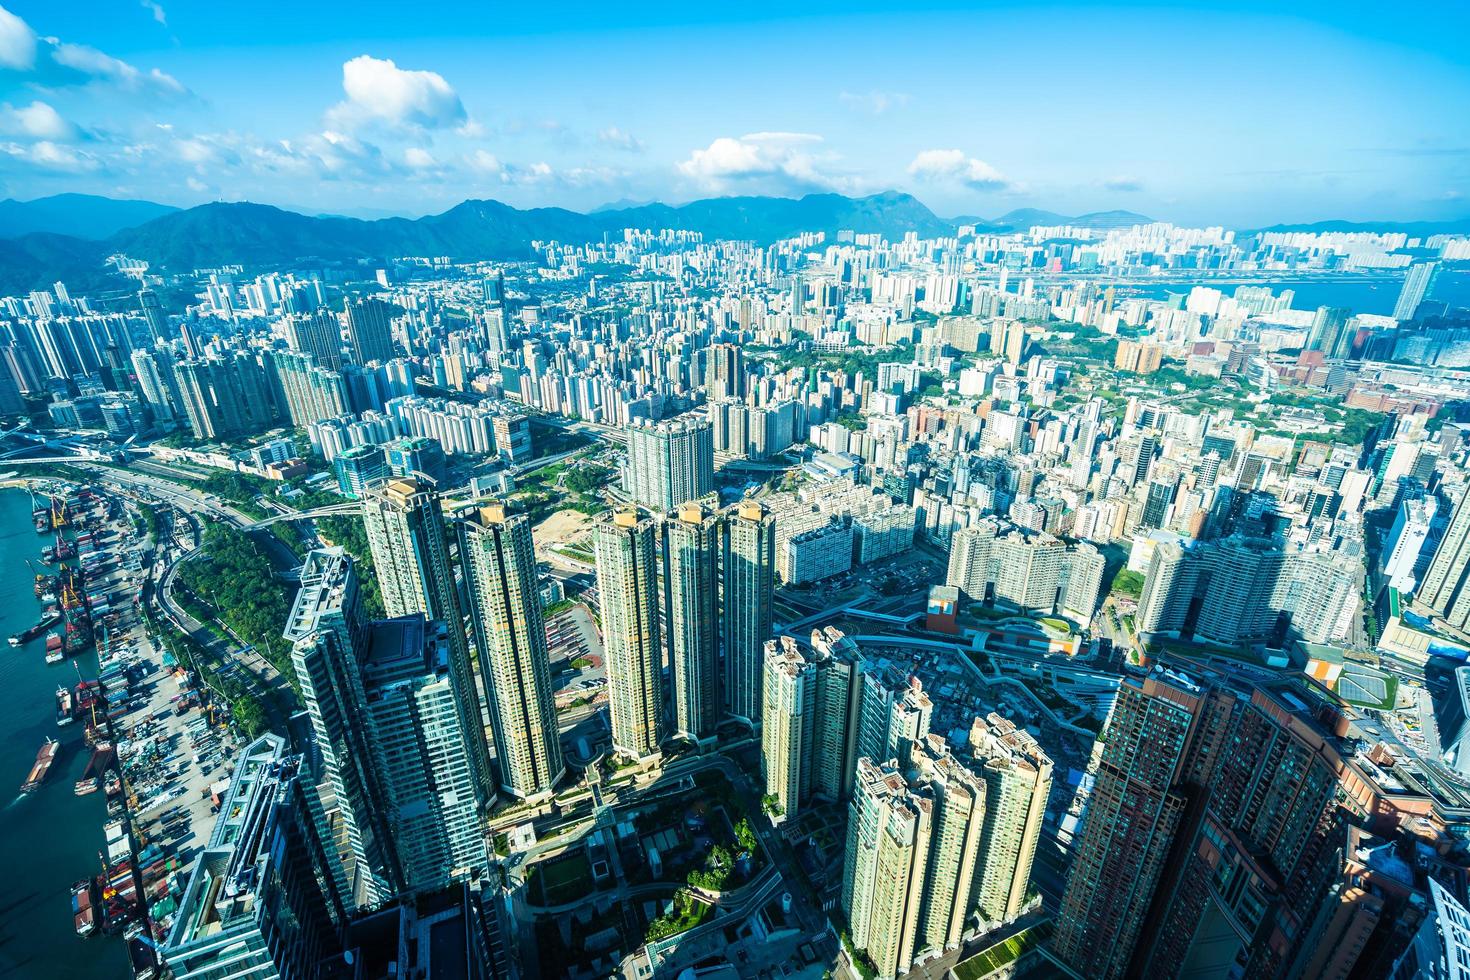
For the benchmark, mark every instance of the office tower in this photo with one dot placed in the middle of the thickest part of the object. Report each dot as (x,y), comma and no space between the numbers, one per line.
(415,457)
(669,462)
(421,752)
(318,334)
(1404,549)
(499,560)
(1329,324)
(1446,586)
(406,534)
(886,860)
(513,438)
(1159,500)
(1017,776)
(309,393)
(325,629)
(370,330)
(1132,816)
(691,594)
(153,313)
(1148,446)
(260,898)
(748,568)
(359,470)
(1418,284)
(627,593)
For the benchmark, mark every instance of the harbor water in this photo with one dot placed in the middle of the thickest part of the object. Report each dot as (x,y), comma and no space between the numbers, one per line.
(49,838)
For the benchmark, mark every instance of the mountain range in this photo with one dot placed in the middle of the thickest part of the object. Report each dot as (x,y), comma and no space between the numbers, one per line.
(258,234)
(70,236)
(1023,218)
(78,215)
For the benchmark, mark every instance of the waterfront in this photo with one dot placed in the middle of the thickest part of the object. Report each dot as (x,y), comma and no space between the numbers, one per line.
(52,837)
(1361,294)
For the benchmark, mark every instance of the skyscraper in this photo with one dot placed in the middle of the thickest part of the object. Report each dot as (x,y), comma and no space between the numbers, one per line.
(627,592)
(1446,586)
(725,376)
(1237,589)
(325,629)
(670,462)
(788,726)
(916,854)
(260,899)
(318,334)
(386,717)
(225,398)
(1329,323)
(153,313)
(691,593)
(1215,836)
(499,560)
(889,827)
(1418,282)
(749,582)
(1134,811)
(812,719)
(370,330)
(421,752)
(310,393)
(406,534)
(1017,776)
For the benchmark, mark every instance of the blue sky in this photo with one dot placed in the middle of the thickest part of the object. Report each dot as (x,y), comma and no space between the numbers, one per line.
(1240,113)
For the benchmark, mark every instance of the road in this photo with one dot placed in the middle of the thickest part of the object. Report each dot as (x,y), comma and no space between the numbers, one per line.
(198,508)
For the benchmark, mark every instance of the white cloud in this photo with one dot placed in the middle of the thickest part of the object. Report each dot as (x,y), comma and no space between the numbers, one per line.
(37,120)
(17,42)
(377,89)
(1123,183)
(156,9)
(954,167)
(418,158)
(613,136)
(770,161)
(875,102)
(51,156)
(94,65)
(484,162)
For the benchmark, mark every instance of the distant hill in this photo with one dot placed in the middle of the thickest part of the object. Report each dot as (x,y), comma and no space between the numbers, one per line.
(1023,218)
(258,234)
(77,215)
(1416,229)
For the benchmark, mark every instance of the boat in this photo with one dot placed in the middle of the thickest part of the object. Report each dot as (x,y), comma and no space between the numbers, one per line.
(144,961)
(34,630)
(87,786)
(64,704)
(54,654)
(38,772)
(84,915)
